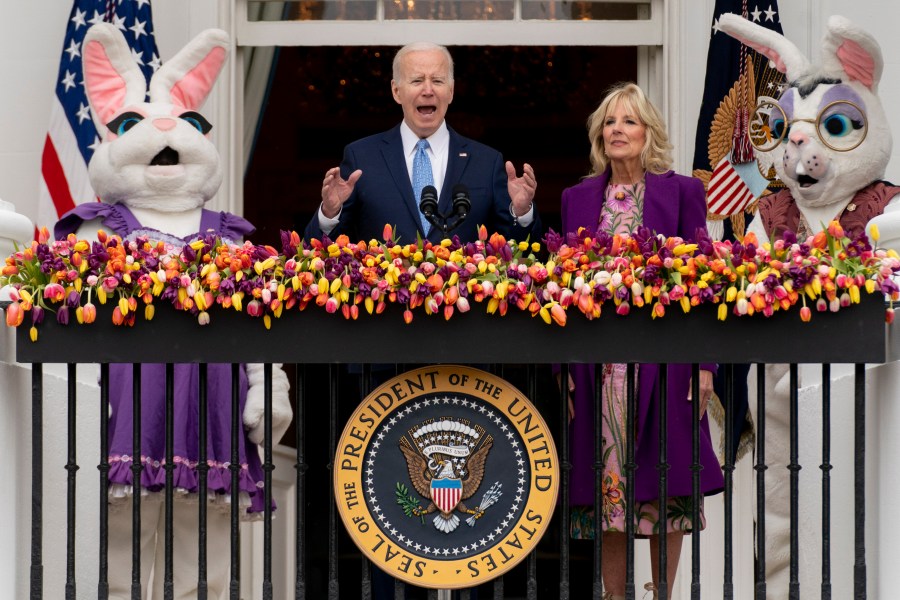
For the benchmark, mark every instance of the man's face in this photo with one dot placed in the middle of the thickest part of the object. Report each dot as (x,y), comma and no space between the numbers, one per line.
(424,90)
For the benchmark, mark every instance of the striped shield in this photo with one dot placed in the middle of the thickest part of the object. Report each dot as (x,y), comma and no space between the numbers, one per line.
(446,493)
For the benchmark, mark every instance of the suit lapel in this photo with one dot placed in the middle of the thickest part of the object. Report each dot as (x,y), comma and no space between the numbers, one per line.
(392,150)
(457,160)
(660,202)
(589,208)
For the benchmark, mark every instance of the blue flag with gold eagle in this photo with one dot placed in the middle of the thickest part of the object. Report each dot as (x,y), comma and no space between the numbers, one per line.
(736,78)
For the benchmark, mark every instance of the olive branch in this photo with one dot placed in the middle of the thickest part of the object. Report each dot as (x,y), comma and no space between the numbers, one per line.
(408,502)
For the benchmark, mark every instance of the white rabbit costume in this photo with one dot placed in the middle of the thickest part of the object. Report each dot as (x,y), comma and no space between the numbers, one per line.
(154,170)
(834,151)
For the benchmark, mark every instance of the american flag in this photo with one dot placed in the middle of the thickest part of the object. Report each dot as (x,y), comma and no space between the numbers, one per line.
(733,186)
(72,137)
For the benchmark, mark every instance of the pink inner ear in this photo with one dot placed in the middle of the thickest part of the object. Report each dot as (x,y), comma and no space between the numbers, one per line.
(191,91)
(858,63)
(103,84)
(768,53)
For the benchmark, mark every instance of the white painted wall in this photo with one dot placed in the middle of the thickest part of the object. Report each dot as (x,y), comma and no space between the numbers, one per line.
(31,35)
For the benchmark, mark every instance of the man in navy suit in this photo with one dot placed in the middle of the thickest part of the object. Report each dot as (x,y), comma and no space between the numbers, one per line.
(374,184)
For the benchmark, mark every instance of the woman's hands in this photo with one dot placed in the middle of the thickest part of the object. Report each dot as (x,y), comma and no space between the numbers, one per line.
(706,390)
(571,396)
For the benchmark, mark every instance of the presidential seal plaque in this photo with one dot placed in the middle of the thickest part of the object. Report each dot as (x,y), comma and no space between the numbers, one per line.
(446,477)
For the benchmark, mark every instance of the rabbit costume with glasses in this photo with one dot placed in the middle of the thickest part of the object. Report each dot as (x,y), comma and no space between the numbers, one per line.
(154,169)
(829,141)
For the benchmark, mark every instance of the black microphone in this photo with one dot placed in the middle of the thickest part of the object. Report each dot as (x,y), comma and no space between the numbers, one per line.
(429,202)
(461,202)
(461,206)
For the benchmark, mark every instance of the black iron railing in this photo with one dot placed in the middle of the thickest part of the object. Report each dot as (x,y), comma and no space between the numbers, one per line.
(317,343)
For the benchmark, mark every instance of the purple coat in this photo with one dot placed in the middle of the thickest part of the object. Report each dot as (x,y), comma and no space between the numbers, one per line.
(674,205)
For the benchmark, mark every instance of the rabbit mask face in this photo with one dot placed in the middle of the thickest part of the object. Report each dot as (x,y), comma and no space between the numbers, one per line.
(836,139)
(155,154)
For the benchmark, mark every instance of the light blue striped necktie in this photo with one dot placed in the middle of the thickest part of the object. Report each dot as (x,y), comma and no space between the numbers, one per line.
(421,176)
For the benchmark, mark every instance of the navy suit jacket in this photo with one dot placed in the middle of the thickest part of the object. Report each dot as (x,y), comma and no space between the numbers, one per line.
(384,195)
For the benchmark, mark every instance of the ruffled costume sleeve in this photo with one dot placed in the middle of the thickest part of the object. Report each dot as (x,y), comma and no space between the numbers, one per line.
(228,225)
(115,218)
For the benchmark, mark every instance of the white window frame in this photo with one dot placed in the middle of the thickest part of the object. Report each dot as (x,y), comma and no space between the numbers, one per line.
(657,38)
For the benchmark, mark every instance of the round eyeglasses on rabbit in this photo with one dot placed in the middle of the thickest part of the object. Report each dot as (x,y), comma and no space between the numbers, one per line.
(841,126)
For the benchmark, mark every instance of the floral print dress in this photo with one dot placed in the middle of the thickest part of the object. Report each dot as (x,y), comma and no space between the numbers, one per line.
(622,210)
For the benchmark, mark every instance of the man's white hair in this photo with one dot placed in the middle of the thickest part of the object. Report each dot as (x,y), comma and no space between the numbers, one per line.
(418,47)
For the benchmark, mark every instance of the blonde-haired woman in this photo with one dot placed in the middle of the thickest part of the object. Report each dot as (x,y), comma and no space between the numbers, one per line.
(631,186)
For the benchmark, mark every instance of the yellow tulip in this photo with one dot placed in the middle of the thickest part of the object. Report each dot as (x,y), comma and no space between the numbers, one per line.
(545,315)
(123,305)
(149,311)
(723,311)
(873,232)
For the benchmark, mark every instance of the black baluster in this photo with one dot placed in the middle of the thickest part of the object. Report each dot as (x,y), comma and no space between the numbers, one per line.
(663,587)
(859,483)
(630,468)
(71,469)
(268,467)
(37,481)
(235,468)
(760,469)
(498,583)
(826,482)
(598,482)
(365,386)
(564,509)
(301,466)
(137,467)
(168,583)
(794,467)
(728,472)
(103,467)
(531,564)
(202,492)
(696,467)
(333,379)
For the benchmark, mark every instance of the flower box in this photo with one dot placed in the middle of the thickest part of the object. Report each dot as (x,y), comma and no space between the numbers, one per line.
(857,334)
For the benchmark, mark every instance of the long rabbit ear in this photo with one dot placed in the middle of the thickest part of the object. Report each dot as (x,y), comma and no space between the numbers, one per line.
(786,57)
(848,49)
(112,80)
(187,78)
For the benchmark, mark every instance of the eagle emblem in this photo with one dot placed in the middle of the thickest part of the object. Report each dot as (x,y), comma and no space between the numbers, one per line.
(445,460)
